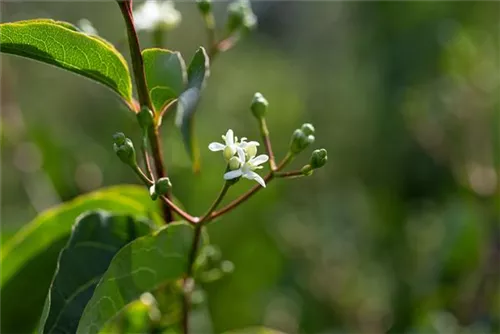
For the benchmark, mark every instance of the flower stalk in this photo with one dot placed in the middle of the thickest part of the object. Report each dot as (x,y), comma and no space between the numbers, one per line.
(144,99)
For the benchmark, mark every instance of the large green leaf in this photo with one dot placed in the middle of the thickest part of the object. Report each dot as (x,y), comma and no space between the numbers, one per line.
(96,238)
(198,72)
(165,76)
(143,265)
(61,45)
(33,251)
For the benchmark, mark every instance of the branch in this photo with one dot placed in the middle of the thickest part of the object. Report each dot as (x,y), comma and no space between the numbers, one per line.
(142,91)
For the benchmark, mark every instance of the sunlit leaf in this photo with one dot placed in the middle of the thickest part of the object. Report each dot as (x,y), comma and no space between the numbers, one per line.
(62,45)
(95,239)
(198,71)
(141,266)
(33,251)
(165,76)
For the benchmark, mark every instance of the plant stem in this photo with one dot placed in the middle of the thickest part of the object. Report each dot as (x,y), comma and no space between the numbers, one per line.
(289,175)
(268,178)
(145,157)
(192,257)
(267,142)
(142,92)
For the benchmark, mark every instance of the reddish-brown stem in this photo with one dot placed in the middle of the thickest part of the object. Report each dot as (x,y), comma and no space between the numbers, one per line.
(178,210)
(143,93)
(287,175)
(267,143)
(268,178)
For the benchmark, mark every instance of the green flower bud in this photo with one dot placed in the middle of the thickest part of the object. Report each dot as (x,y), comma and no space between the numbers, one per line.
(145,118)
(234,163)
(318,158)
(259,106)
(204,6)
(250,151)
(300,141)
(240,15)
(308,129)
(163,186)
(119,138)
(152,192)
(124,149)
(307,170)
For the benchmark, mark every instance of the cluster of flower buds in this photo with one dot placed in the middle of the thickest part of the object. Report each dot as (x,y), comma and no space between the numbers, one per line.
(240,17)
(302,138)
(318,160)
(161,187)
(124,149)
(241,157)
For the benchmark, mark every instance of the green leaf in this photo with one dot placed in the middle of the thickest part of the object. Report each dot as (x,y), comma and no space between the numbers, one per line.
(254,330)
(141,266)
(198,72)
(95,239)
(33,251)
(62,45)
(166,76)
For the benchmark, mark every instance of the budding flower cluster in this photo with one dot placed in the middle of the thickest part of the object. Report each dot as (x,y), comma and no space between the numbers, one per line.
(240,16)
(302,138)
(124,149)
(318,160)
(161,187)
(240,157)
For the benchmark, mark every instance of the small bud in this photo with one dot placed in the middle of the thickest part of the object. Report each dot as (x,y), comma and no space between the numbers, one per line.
(228,153)
(318,158)
(240,15)
(124,149)
(152,192)
(306,170)
(300,141)
(234,163)
(308,129)
(119,138)
(204,6)
(250,151)
(145,118)
(163,186)
(259,106)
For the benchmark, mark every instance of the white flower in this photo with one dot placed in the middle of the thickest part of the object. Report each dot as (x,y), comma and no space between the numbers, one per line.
(249,147)
(229,147)
(154,13)
(247,167)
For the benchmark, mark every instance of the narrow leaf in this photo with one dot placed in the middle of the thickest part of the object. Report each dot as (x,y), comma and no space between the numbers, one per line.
(165,76)
(33,251)
(95,239)
(198,71)
(62,45)
(141,266)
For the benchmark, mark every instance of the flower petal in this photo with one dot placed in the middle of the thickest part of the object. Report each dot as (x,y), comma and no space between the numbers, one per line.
(214,147)
(229,137)
(233,174)
(259,160)
(256,177)
(241,154)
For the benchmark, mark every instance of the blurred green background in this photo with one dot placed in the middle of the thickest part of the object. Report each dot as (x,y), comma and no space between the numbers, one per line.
(399,233)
